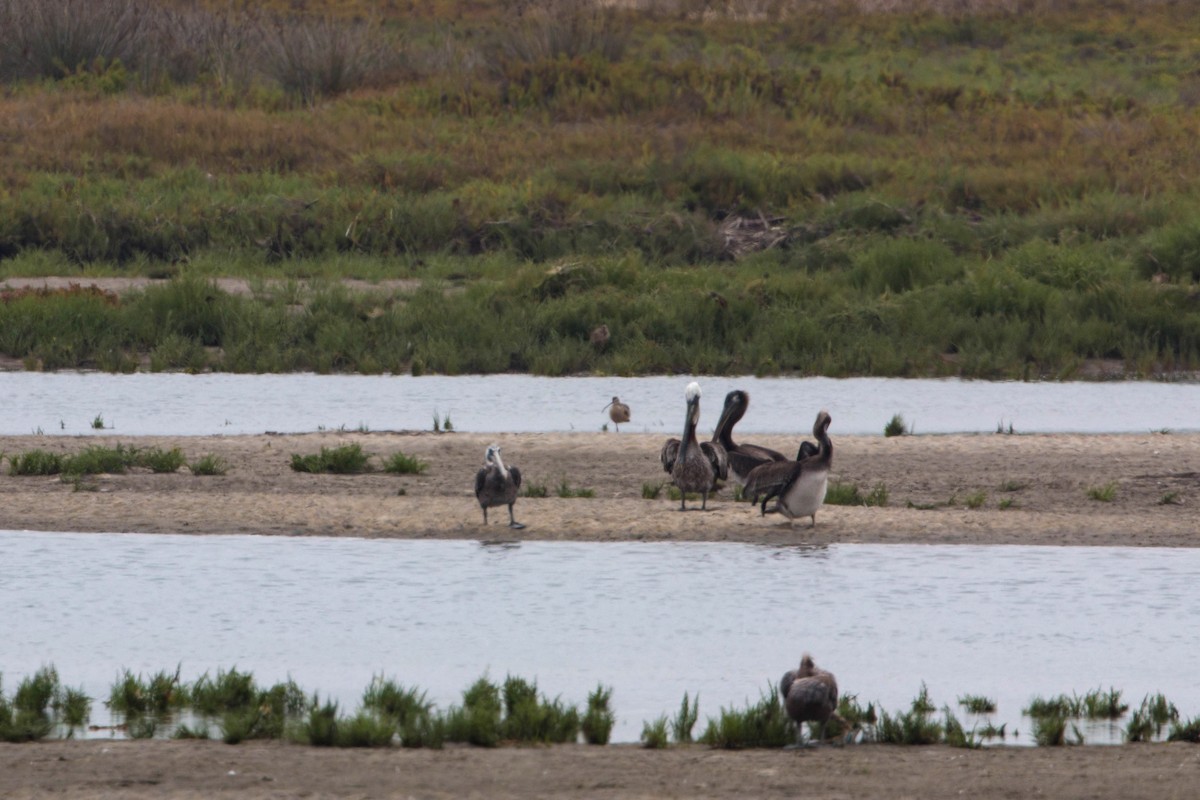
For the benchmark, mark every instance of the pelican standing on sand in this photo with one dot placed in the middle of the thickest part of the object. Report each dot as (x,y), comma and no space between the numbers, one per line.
(618,412)
(810,694)
(742,457)
(694,466)
(800,485)
(497,485)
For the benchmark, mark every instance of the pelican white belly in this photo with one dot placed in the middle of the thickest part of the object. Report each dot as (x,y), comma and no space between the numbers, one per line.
(805,496)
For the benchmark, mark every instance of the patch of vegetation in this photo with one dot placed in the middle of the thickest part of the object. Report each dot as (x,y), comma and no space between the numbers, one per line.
(762,724)
(977,704)
(895,427)
(975,500)
(1105,493)
(913,727)
(535,490)
(598,721)
(158,460)
(652,491)
(347,459)
(35,462)
(654,734)
(401,464)
(566,490)
(848,494)
(685,719)
(209,464)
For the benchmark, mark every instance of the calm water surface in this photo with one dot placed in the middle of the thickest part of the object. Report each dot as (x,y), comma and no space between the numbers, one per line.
(651,620)
(177,404)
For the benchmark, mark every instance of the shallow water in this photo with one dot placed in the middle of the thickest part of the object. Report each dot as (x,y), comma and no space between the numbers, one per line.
(651,620)
(178,404)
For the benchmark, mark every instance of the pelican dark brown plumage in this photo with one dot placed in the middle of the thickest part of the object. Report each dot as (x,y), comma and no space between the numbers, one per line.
(810,694)
(799,485)
(618,412)
(694,466)
(497,485)
(742,457)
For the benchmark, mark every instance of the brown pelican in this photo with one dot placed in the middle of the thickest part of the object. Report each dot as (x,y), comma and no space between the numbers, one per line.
(799,485)
(742,457)
(694,466)
(497,485)
(810,693)
(618,412)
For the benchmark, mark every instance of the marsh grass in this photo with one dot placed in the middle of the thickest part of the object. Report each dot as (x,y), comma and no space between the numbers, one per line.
(1105,493)
(209,464)
(35,462)
(160,461)
(1055,731)
(685,719)
(132,695)
(895,426)
(530,717)
(535,490)
(654,734)
(762,724)
(956,735)
(347,459)
(401,464)
(599,719)
(100,460)
(913,727)
(1147,721)
(977,704)
(652,491)
(1185,731)
(566,490)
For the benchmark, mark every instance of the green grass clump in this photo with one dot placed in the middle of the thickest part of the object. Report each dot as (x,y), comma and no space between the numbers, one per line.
(531,718)
(535,490)
(1185,731)
(100,460)
(1105,493)
(651,491)
(599,719)
(977,704)
(401,464)
(895,427)
(1054,730)
(763,724)
(158,460)
(35,462)
(975,500)
(913,727)
(346,459)
(477,720)
(685,719)
(132,695)
(1149,719)
(1059,706)
(209,464)
(1099,704)
(654,734)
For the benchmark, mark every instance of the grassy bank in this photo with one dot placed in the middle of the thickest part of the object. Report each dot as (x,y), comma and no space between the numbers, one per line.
(817,188)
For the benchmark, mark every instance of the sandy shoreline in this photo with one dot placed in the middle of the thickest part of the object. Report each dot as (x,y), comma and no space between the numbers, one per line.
(958,489)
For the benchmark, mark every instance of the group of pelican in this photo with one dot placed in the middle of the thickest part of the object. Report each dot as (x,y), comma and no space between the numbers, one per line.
(797,485)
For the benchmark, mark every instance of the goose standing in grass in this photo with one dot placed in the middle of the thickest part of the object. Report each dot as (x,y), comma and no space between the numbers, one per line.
(618,412)
(800,485)
(810,694)
(497,485)
(694,466)
(742,457)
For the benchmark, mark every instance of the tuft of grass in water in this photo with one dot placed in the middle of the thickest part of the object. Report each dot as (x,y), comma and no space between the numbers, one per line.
(977,704)
(566,490)
(848,494)
(1060,706)
(1170,499)
(401,464)
(1099,704)
(598,721)
(990,731)
(400,704)
(347,459)
(915,726)
(685,719)
(651,491)
(74,707)
(976,499)
(1001,429)
(209,464)
(133,695)
(35,462)
(160,461)
(142,726)
(1052,731)
(1105,493)
(535,490)
(763,724)
(895,427)
(654,734)
(98,423)
(1148,721)
(956,735)
(36,693)
(1185,731)
(229,691)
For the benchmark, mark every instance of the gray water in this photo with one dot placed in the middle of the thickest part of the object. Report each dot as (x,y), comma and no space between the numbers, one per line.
(651,620)
(178,404)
